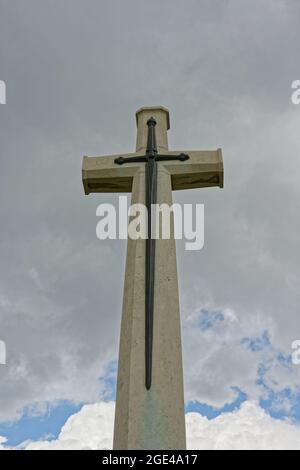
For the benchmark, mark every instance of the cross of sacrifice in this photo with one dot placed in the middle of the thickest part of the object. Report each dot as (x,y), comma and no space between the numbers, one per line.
(150,401)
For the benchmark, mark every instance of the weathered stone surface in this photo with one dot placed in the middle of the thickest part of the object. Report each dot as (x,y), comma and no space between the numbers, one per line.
(151,419)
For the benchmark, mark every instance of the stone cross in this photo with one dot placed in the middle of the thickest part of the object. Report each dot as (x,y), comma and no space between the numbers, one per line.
(150,401)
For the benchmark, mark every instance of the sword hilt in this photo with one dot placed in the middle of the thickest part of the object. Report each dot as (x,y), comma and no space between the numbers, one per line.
(151,150)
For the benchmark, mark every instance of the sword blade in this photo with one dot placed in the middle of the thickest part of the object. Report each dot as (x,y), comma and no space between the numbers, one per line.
(151,192)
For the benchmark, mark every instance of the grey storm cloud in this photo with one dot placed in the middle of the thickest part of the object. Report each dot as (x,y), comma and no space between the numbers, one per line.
(76,71)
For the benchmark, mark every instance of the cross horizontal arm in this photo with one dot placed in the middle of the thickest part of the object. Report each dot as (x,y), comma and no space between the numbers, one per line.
(203,169)
(103,175)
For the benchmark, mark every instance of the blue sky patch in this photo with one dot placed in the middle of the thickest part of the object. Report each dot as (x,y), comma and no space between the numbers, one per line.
(257,344)
(109,381)
(35,428)
(209,319)
(283,405)
(211,412)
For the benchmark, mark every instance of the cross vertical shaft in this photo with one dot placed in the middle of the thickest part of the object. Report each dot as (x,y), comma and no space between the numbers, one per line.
(150,158)
(150,418)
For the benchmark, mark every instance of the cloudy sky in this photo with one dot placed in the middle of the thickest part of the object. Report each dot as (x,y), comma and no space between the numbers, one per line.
(75,72)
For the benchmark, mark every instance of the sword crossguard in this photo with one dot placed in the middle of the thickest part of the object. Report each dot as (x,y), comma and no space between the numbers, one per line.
(122,160)
(182,157)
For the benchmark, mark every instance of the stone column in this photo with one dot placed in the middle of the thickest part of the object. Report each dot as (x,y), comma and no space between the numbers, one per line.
(151,419)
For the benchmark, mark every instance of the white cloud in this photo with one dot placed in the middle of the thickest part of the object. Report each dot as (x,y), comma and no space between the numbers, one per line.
(90,428)
(2,442)
(248,428)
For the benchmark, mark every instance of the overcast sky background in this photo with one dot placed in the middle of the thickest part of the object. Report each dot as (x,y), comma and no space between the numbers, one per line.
(76,71)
